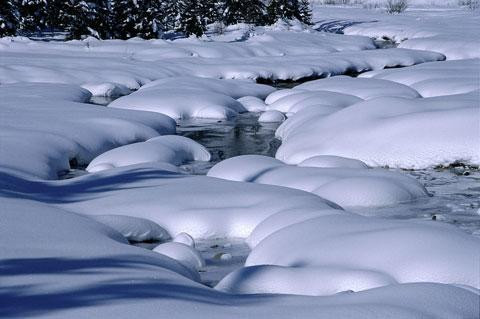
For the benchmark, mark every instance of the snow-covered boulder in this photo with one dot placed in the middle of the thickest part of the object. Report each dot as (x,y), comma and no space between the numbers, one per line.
(169,149)
(107,89)
(404,251)
(193,97)
(363,88)
(332,161)
(184,238)
(300,99)
(184,254)
(252,103)
(313,281)
(344,186)
(398,132)
(271,116)
(42,131)
(133,228)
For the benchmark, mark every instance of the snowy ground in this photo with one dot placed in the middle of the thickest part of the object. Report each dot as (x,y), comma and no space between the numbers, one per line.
(368,209)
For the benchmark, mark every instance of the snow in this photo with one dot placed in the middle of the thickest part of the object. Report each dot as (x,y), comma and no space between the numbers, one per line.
(107,89)
(34,144)
(363,88)
(389,131)
(346,187)
(405,251)
(184,254)
(133,228)
(332,161)
(298,98)
(169,149)
(184,238)
(253,103)
(193,97)
(271,116)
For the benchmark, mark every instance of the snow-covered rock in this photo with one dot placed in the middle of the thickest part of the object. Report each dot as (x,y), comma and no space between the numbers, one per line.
(314,281)
(42,130)
(332,161)
(344,186)
(252,103)
(184,238)
(271,116)
(363,88)
(170,149)
(398,132)
(403,251)
(133,228)
(184,254)
(107,89)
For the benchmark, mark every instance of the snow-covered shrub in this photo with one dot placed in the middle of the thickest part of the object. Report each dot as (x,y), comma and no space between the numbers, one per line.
(396,6)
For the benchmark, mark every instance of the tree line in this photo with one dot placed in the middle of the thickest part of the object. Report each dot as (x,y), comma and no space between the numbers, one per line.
(123,19)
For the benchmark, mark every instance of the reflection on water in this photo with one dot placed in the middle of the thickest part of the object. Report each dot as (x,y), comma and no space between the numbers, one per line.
(455,200)
(225,139)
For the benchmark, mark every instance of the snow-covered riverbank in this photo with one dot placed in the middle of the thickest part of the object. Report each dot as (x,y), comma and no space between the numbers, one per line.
(325,229)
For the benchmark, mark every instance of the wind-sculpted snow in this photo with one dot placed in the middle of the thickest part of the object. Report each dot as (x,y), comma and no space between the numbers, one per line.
(344,186)
(171,149)
(193,97)
(398,132)
(41,130)
(385,251)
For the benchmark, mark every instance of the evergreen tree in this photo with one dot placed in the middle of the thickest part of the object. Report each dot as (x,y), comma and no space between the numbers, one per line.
(169,14)
(148,20)
(125,15)
(211,11)
(188,20)
(283,9)
(248,11)
(32,15)
(8,18)
(305,12)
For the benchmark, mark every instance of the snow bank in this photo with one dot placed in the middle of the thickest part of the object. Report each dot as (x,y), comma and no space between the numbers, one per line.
(107,89)
(171,149)
(343,186)
(398,132)
(313,281)
(363,88)
(201,206)
(435,79)
(298,98)
(405,251)
(133,228)
(60,264)
(42,130)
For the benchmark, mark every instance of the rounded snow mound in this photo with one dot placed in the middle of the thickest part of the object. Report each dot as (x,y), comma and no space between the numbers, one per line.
(168,149)
(271,116)
(107,89)
(184,254)
(364,88)
(404,251)
(252,103)
(134,229)
(344,186)
(313,281)
(332,161)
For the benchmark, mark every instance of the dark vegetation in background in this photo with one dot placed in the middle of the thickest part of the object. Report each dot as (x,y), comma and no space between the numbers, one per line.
(123,19)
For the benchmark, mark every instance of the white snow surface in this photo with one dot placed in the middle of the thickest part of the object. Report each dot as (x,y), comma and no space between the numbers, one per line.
(42,128)
(346,187)
(401,251)
(271,116)
(193,97)
(184,254)
(393,131)
(169,149)
(133,228)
